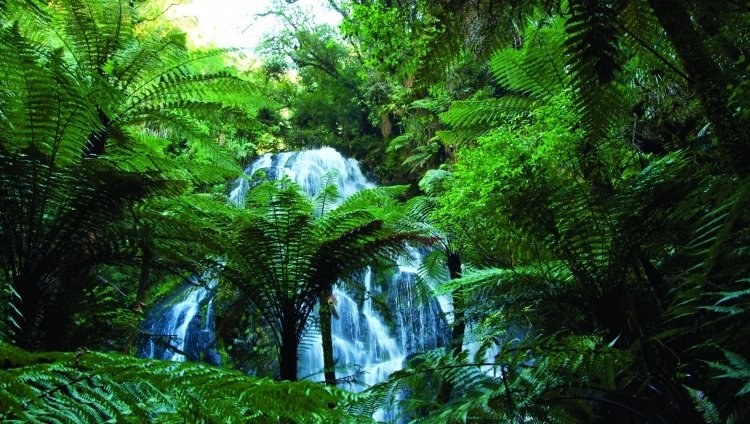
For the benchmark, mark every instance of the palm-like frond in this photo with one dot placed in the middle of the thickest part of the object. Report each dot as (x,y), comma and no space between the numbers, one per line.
(90,83)
(328,193)
(288,250)
(538,69)
(579,55)
(43,106)
(471,119)
(531,75)
(593,50)
(151,80)
(91,387)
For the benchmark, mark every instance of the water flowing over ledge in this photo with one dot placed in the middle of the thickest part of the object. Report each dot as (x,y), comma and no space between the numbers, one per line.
(365,345)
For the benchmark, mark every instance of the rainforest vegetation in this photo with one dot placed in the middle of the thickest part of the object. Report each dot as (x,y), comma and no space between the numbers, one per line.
(579,170)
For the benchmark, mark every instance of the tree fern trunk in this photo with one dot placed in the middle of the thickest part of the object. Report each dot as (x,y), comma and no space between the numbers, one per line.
(143,281)
(327,336)
(707,79)
(97,141)
(28,308)
(288,348)
(459,326)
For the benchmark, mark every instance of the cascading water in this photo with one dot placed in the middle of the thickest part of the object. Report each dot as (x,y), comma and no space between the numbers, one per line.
(177,328)
(179,332)
(364,345)
(306,168)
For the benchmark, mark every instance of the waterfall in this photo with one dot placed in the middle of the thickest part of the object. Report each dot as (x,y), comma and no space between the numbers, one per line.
(178,332)
(365,347)
(306,168)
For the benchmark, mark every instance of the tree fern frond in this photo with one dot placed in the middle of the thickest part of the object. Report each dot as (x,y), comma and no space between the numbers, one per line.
(94,387)
(485,113)
(137,62)
(432,272)
(328,194)
(537,70)
(593,48)
(592,42)
(55,123)
(472,278)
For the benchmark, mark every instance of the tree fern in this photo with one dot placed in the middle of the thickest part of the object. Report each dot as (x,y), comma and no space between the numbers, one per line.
(88,83)
(287,251)
(565,271)
(534,74)
(150,80)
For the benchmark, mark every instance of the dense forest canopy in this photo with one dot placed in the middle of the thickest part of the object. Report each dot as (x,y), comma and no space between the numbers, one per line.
(578,170)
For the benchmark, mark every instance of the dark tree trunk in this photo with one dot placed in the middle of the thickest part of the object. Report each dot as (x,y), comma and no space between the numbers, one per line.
(459,325)
(28,308)
(706,78)
(97,141)
(327,336)
(143,281)
(288,348)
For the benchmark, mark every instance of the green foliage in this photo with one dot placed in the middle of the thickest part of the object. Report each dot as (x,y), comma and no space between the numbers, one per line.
(391,38)
(90,103)
(593,204)
(534,74)
(329,101)
(705,407)
(525,379)
(739,369)
(285,251)
(595,192)
(93,387)
(592,48)
(145,80)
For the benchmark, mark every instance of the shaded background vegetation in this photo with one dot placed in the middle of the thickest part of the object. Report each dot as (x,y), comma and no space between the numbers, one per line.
(584,163)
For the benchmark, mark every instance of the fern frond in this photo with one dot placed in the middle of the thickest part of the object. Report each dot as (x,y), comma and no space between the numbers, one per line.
(537,70)
(43,107)
(432,272)
(485,113)
(328,194)
(593,48)
(738,368)
(93,387)
(592,42)
(704,406)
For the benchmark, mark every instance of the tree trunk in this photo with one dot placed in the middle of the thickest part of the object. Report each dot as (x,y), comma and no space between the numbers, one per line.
(97,142)
(28,308)
(459,325)
(288,348)
(327,336)
(143,282)
(707,79)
